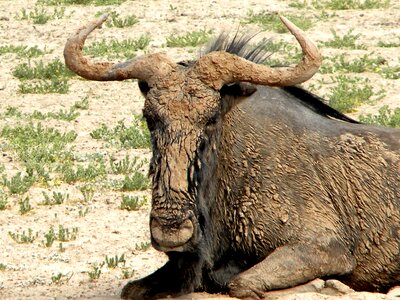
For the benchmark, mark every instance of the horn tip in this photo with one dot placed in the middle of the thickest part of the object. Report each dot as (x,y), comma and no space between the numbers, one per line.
(101,20)
(289,25)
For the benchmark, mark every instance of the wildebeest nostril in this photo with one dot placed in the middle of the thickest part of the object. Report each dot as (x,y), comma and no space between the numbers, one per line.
(171,236)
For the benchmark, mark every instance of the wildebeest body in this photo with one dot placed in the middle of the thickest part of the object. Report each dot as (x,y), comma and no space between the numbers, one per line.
(288,175)
(256,188)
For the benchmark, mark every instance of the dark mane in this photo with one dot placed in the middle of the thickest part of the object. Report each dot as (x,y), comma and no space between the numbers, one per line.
(240,45)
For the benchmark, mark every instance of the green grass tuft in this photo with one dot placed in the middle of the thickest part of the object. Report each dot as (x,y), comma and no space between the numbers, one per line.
(39,148)
(132,202)
(19,184)
(44,78)
(350,4)
(136,136)
(390,72)
(3,200)
(339,63)
(351,92)
(41,15)
(22,51)
(272,22)
(190,39)
(52,70)
(53,86)
(389,44)
(347,41)
(114,20)
(25,206)
(81,2)
(72,174)
(385,117)
(136,182)
(117,49)
(23,238)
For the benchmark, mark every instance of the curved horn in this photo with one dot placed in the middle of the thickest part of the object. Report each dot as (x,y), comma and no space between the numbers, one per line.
(219,68)
(143,67)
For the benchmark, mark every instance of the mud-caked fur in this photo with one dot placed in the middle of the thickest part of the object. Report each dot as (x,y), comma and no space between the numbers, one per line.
(279,189)
(256,188)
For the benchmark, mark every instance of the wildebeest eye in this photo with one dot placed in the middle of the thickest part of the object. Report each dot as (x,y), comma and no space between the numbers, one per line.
(143,86)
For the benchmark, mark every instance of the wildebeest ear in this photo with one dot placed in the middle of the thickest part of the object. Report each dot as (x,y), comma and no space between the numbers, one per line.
(233,94)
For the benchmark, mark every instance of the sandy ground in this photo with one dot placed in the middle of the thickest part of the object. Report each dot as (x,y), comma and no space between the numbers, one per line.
(106,229)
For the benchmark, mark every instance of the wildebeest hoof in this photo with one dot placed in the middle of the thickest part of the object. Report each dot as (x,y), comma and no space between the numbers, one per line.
(339,287)
(245,289)
(134,290)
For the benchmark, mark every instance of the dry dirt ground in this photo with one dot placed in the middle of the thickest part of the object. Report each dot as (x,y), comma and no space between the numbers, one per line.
(106,229)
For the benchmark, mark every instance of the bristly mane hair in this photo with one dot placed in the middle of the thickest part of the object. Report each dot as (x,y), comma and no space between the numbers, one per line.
(239,45)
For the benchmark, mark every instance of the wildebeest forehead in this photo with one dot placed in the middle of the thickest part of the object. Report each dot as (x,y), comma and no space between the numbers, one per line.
(182,106)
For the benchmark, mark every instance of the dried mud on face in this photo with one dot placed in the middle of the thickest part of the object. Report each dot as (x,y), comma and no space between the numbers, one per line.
(106,230)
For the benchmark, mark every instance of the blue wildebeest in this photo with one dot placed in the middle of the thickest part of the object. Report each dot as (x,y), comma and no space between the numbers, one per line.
(257,185)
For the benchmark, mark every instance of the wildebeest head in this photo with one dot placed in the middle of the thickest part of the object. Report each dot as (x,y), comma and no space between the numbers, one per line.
(184,107)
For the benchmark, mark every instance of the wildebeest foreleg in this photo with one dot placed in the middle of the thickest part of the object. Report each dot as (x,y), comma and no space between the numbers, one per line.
(178,276)
(289,266)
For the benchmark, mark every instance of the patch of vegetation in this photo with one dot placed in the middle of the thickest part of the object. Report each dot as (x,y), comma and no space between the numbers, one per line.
(3,267)
(41,15)
(65,115)
(190,39)
(41,70)
(95,273)
(62,235)
(299,4)
(60,278)
(127,273)
(282,54)
(54,86)
(22,51)
(80,2)
(114,20)
(347,41)
(351,92)
(389,44)
(72,174)
(124,166)
(3,200)
(45,78)
(136,136)
(390,72)
(61,247)
(117,49)
(25,206)
(57,198)
(143,246)
(87,192)
(339,63)
(66,235)
(350,4)
(12,111)
(19,184)
(136,182)
(385,117)
(132,202)
(83,213)
(113,262)
(271,22)
(38,148)
(82,104)
(23,238)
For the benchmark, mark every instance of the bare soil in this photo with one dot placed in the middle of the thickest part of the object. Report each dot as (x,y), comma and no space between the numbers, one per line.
(106,229)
